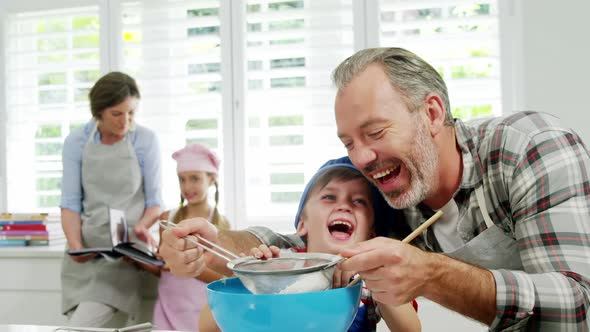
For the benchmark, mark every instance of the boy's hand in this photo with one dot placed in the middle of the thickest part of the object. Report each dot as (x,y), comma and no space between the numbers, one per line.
(341,278)
(264,252)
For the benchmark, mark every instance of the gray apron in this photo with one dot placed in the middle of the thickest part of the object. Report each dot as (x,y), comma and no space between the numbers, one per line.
(111,177)
(491,249)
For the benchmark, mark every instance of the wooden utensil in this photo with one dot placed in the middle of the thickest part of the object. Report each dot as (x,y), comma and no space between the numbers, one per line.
(409,238)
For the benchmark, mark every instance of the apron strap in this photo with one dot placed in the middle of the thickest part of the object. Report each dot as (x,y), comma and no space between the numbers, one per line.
(482,205)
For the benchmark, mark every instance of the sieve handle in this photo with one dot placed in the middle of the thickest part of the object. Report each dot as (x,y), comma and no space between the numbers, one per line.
(195,239)
(408,238)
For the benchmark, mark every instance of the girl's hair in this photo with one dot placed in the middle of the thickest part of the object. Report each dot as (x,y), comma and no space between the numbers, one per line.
(110,90)
(217,219)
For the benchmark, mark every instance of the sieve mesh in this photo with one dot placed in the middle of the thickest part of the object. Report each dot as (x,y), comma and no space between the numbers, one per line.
(282,264)
(294,273)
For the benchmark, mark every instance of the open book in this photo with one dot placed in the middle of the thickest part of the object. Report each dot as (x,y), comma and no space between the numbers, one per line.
(137,251)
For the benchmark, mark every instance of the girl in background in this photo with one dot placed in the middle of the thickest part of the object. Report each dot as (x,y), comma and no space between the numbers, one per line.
(180,300)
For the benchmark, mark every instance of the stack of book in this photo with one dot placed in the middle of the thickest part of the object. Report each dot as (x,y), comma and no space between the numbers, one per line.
(23,229)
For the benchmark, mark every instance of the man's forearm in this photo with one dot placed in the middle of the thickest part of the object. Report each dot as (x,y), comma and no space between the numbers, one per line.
(464,288)
(236,242)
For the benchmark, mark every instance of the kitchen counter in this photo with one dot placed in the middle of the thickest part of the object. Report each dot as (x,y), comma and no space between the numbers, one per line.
(40,251)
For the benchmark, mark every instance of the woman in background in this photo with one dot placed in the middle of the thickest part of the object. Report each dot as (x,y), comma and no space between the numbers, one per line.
(110,162)
(180,300)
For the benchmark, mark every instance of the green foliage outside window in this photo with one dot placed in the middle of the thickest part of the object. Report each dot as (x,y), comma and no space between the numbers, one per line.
(286,178)
(48,149)
(287,82)
(285,197)
(205,87)
(51,44)
(52,96)
(287,63)
(254,65)
(467,112)
(86,76)
(201,12)
(85,23)
(286,140)
(86,41)
(470,71)
(202,31)
(51,59)
(86,56)
(254,27)
(470,10)
(286,25)
(52,78)
(49,184)
(293,120)
(202,68)
(208,142)
(48,131)
(253,8)
(286,41)
(255,84)
(285,5)
(48,201)
(52,25)
(81,95)
(200,124)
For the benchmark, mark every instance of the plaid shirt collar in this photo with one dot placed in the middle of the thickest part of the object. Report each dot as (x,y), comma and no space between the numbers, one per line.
(468,142)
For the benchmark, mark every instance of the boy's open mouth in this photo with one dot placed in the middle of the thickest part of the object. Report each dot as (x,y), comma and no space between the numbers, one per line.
(341,229)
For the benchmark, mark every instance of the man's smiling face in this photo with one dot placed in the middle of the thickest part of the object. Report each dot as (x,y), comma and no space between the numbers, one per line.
(389,144)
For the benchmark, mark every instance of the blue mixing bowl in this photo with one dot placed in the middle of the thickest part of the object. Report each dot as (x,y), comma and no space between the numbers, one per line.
(235,309)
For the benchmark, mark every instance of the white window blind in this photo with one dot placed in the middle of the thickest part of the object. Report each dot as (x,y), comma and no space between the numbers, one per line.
(250,79)
(291,49)
(52,59)
(173,49)
(459,38)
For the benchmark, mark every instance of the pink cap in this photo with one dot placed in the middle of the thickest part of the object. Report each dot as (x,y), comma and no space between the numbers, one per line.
(196,157)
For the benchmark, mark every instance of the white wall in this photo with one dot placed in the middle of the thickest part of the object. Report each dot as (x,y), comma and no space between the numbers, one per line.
(553,60)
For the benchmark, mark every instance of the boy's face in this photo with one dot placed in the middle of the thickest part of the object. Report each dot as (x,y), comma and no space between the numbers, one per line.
(337,216)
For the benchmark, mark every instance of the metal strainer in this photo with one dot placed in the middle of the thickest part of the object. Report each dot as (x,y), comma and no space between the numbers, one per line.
(290,273)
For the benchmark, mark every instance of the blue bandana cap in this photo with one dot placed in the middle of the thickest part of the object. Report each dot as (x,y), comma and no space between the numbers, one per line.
(385,216)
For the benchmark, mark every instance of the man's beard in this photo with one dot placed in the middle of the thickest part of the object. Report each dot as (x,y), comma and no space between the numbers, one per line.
(421,163)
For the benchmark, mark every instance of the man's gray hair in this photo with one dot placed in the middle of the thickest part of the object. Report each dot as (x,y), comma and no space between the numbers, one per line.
(407,72)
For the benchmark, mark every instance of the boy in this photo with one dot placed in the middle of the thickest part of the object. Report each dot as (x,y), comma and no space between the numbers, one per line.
(337,210)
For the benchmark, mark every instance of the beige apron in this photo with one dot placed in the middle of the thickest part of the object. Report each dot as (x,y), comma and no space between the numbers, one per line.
(491,249)
(111,177)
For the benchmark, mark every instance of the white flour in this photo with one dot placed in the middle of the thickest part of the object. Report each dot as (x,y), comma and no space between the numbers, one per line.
(307,283)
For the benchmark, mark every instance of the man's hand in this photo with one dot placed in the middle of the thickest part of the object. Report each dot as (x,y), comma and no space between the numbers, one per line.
(184,258)
(341,278)
(395,272)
